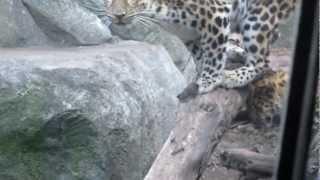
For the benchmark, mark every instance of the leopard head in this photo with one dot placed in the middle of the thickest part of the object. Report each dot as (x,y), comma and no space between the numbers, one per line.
(123,11)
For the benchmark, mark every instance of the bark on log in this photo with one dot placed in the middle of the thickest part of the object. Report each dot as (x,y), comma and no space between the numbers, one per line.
(249,162)
(201,122)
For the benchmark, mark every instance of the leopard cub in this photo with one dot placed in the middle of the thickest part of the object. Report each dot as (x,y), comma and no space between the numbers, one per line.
(266,98)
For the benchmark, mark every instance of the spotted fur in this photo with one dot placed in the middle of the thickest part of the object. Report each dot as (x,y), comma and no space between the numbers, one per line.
(256,20)
(266,97)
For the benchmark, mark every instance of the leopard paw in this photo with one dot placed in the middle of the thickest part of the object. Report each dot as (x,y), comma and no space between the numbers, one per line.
(233,79)
(230,79)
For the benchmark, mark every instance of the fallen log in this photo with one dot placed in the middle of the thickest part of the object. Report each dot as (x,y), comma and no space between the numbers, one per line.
(201,122)
(249,162)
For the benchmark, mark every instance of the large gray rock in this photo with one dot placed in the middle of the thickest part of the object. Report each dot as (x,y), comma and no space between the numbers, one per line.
(155,34)
(91,113)
(17,27)
(66,22)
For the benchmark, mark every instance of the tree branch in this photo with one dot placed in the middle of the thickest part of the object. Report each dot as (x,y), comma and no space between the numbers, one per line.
(249,162)
(201,122)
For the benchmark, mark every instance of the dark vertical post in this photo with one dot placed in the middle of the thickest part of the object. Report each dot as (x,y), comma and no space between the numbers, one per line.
(301,98)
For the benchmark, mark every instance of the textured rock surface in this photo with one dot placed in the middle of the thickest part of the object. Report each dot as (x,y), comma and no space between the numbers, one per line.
(67,22)
(52,23)
(17,27)
(85,113)
(98,7)
(154,34)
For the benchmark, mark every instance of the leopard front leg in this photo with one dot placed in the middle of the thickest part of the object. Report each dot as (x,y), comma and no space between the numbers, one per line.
(197,53)
(212,52)
(213,61)
(214,30)
(239,77)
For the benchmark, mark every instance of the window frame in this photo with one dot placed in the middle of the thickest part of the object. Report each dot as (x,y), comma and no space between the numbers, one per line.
(299,113)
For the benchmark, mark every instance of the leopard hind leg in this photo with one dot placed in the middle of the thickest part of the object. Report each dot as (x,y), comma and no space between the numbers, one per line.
(256,42)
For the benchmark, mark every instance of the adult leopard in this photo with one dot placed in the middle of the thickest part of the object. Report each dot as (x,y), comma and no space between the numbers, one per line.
(256,20)
(266,98)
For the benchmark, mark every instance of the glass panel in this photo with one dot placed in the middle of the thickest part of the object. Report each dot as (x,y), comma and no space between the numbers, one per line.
(313,167)
(144,89)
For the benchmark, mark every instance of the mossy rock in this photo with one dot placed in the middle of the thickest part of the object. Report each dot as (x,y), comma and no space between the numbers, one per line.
(89,113)
(61,148)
